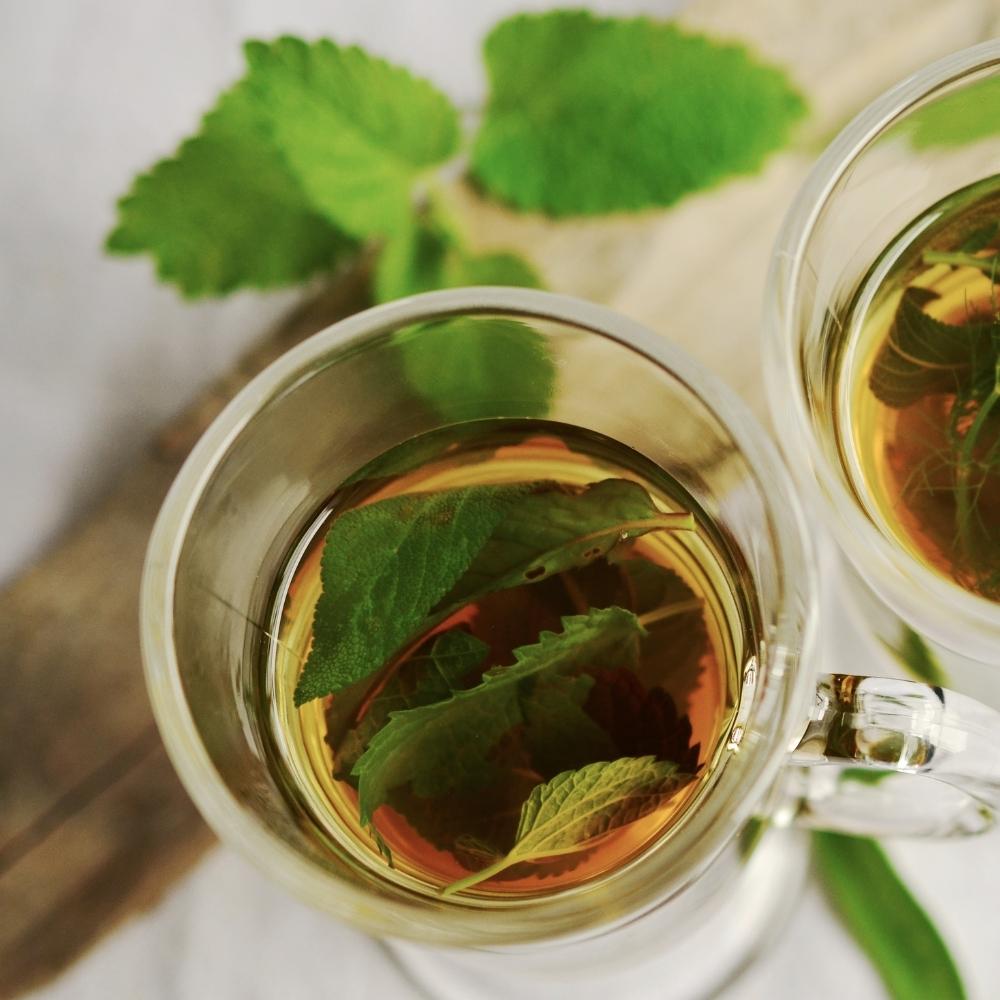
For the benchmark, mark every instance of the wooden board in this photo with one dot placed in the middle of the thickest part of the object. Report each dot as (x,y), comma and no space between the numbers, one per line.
(93,824)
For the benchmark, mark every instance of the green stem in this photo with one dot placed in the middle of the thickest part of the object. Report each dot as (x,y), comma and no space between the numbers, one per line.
(670,611)
(956,258)
(476,877)
(963,499)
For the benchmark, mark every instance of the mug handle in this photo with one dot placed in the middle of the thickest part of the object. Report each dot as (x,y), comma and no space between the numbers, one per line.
(862,729)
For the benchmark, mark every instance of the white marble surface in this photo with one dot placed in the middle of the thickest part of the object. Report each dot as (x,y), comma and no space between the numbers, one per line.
(93,355)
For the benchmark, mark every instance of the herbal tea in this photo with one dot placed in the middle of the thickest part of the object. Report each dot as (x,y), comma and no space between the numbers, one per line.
(504,660)
(920,388)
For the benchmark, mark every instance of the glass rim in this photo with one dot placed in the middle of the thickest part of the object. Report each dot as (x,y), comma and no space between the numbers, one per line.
(904,581)
(698,838)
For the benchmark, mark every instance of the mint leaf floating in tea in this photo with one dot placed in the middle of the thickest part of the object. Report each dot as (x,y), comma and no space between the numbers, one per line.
(638,114)
(640,722)
(225,211)
(674,617)
(923,355)
(424,679)
(577,808)
(477,367)
(356,131)
(548,531)
(445,746)
(384,567)
(394,568)
(560,733)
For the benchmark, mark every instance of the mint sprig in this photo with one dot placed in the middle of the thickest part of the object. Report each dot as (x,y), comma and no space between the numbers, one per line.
(321,151)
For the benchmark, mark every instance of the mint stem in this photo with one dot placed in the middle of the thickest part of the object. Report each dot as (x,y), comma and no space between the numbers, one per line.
(476,877)
(963,499)
(669,611)
(987,265)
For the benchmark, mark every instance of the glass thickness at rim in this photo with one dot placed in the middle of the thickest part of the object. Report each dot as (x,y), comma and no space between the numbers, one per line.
(696,841)
(914,590)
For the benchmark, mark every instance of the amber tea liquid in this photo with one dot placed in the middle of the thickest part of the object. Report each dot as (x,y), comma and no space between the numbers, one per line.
(919,392)
(678,705)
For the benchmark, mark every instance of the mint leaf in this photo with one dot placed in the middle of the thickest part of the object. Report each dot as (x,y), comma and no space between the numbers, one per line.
(547,532)
(640,722)
(922,355)
(675,620)
(576,808)
(885,919)
(559,734)
(392,569)
(422,680)
(225,211)
(442,747)
(355,130)
(590,115)
(384,566)
(424,255)
(475,367)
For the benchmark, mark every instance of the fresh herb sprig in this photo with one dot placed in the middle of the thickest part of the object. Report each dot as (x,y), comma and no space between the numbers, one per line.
(323,153)
(593,749)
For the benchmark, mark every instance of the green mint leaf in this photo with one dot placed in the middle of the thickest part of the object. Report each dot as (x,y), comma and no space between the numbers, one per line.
(884,918)
(641,722)
(225,211)
(559,734)
(422,680)
(547,532)
(424,255)
(475,367)
(922,355)
(675,619)
(393,569)
(384,567)
(576,808)
(958,119)
(445,746)
(589,115)
(355,130)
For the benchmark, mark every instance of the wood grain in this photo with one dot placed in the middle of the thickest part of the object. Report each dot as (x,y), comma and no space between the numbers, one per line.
(94,825)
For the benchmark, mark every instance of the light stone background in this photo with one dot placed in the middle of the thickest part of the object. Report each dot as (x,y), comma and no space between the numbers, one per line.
(94,355)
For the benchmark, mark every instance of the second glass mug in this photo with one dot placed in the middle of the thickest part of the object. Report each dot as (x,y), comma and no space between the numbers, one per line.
(871,182)
(722,876)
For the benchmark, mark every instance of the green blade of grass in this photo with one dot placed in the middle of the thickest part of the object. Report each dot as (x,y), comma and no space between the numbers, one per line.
(882,915)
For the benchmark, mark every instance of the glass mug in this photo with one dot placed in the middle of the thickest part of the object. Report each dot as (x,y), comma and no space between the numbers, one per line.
(867,186)
(720,879)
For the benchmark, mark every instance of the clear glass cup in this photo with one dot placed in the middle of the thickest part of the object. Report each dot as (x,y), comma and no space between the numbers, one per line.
(870,183)
(718,882)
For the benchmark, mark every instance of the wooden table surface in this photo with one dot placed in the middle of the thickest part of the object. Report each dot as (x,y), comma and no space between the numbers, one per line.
(94,825)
